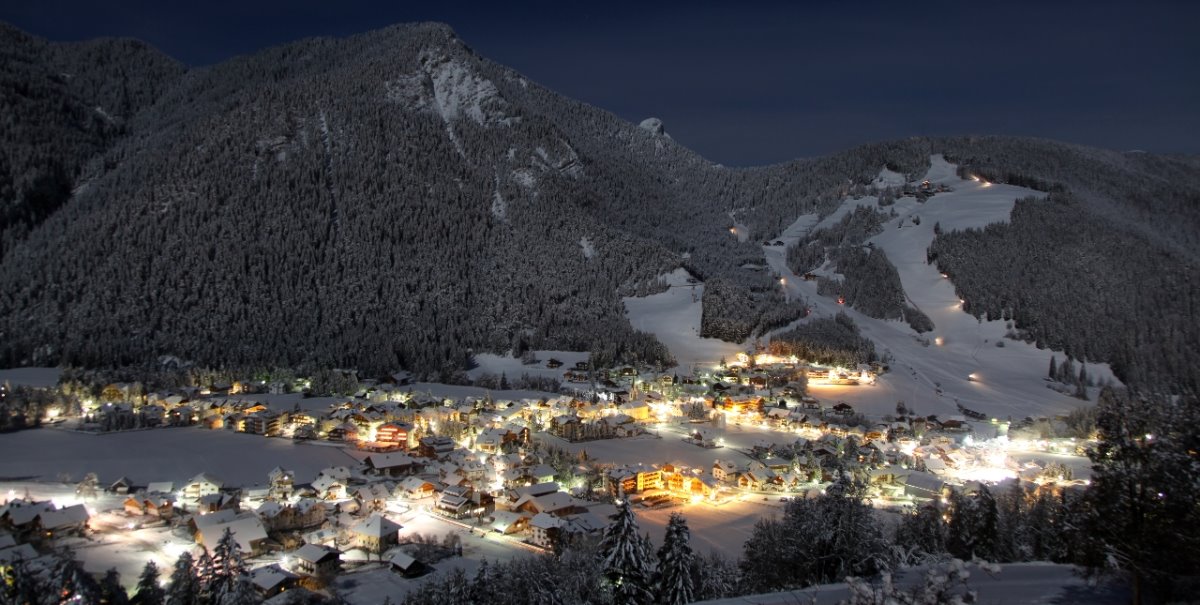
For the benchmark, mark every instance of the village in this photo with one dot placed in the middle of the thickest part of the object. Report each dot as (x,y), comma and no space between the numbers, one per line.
(435,479)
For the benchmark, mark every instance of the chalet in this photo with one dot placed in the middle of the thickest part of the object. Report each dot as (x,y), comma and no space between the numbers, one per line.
(123,485)
(271,580)
(316,560)
(262,423)
(282,483)
(415,487)
(346,431)
(248,530)
(159,507)
(544,530)
(392,464)
(373,497)
(509,522)
(455,502)
(435,446)
(407,565)
(305,512)
(70,520)
(624,481)
(558,504)
(492,440)
(133,506)
(842,408)
(330,487)
(393,433)
(924,485)
(553,363)
(725,470)
(211,503)
(375,534)
(202,485)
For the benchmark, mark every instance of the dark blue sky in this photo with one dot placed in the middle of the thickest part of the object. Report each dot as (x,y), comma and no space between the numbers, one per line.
(748,84)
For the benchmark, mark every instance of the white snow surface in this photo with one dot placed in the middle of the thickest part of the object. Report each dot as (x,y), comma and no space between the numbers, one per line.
(490,363)
(31,377)
(1015,584)
(674,318)
(459,92)
(1009,378)
(653,126)
(888,178)
(168,454)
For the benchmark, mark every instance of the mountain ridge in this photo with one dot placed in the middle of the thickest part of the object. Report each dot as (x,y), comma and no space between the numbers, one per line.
(395,199)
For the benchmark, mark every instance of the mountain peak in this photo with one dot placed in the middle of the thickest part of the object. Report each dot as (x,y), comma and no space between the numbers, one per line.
(654,126)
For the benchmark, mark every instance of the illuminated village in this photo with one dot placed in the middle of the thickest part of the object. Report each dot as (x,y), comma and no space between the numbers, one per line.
(430,478)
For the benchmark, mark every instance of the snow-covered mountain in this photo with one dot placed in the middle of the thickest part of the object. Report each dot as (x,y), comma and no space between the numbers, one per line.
(394,199)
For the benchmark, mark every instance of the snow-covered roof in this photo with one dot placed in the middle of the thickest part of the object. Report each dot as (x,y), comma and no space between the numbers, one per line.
(390,460)
(207,478)
(64,517)
(247,529)
(314,553)
(545,521)
(270,577)
(160,487)
(376,526)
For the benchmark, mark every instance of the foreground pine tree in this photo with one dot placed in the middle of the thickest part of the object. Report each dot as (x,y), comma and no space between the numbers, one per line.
(149,592)
(626,559)
(676,563)
(185,587)
(111,591)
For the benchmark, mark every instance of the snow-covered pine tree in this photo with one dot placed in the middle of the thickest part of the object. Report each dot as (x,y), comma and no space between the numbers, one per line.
(185,584)
(228,568)
(973,530)
(626,558)
(676,564)
(149,592)
(111,590)
(1144,491)
(75,583)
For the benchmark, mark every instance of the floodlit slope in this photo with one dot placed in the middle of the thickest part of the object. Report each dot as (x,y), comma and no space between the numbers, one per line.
(673,317)
(1009,378)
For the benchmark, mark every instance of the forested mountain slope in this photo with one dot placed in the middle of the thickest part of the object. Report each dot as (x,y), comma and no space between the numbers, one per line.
(395,200)
(61,105)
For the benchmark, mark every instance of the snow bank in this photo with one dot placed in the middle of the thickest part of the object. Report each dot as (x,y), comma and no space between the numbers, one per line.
(31,377)
(169,454)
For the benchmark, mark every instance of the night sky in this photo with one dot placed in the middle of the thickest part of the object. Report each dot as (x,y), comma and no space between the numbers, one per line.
(749,84)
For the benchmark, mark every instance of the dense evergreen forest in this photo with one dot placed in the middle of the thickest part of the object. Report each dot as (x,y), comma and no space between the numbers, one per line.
(393,199)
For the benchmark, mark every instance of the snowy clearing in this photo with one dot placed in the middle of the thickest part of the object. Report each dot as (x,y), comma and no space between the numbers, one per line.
(1016,584)
(175,454)
(674,318)
(31,377)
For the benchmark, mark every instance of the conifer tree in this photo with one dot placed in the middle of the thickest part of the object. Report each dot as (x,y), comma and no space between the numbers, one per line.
(185,585)
(111,591)
(149,592)
(625,558)
(676,564)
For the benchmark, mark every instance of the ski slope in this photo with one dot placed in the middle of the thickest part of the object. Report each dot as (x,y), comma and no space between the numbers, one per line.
(1009,379)
(674,318)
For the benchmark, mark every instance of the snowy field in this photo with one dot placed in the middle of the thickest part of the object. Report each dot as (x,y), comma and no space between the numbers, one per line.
(30,377)
(1015,584)
(171,454)
(674,318)
(490,363)
(720,528)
